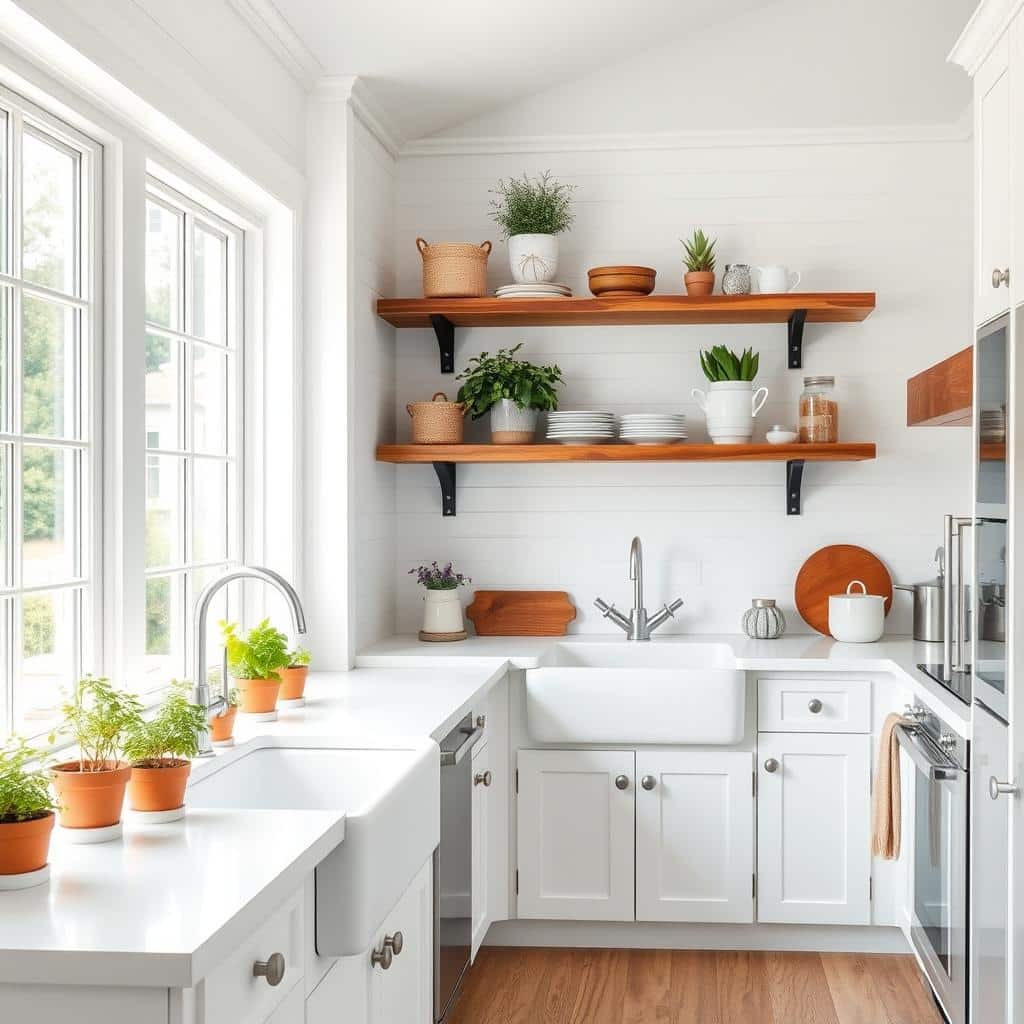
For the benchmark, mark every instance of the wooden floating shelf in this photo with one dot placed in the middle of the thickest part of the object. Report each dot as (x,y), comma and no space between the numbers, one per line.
(943,395)
(445,457)
(791,308)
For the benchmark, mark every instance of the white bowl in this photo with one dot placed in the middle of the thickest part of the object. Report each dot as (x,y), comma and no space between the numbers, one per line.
(780,435)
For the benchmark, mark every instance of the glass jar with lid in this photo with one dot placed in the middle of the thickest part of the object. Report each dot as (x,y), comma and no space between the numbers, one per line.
(819,411)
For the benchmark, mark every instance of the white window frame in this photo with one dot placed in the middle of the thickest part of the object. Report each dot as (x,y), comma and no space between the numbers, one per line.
(88,639)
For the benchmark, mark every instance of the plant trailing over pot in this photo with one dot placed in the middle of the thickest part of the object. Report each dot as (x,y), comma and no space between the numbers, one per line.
(442,609)
(730,404)
(222,721)
(699,257)
(512,390)
(293,675)
(531,212)
(721,363)
(98,718)
(159,750)
(254,663)
(26,810)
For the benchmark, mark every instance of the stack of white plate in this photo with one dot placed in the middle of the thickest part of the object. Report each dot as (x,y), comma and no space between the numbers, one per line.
(552,290)
(993,425)
(584,427)
(652,428)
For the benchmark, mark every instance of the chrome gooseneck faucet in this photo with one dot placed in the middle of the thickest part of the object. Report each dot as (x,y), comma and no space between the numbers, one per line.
(202,686)
(637,625)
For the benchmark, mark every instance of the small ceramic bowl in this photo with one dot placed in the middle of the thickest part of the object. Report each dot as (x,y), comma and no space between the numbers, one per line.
(781,435)
(620,281)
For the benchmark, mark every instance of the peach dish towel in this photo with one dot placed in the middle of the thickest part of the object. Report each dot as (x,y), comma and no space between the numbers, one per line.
(885,825)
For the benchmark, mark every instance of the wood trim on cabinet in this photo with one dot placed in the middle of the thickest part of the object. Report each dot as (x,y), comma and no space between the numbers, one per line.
(941,396)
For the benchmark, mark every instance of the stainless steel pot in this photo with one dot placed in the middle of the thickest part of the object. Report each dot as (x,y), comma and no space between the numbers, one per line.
(928,611)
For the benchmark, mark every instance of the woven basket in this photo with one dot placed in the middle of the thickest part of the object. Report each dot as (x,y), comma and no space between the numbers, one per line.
(437,422)
(454,270)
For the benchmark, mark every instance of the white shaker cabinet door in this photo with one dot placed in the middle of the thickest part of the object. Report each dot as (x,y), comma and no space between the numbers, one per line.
(292,1010)
(694,836)
(483,787)
(576,834)
(814,828)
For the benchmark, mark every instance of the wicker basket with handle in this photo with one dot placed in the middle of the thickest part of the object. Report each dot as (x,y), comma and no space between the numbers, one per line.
(437,422)
(454,270)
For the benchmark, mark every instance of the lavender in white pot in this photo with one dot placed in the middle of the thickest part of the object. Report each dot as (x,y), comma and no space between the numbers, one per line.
(442,609)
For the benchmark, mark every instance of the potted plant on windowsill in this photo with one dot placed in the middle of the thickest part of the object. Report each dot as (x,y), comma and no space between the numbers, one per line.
(531,213)
(90,789)
(26,816)
(512,390)
(731,403)
(222,721)
(699,257)
(254,664)
(293,676)
(160,750)
(442,609)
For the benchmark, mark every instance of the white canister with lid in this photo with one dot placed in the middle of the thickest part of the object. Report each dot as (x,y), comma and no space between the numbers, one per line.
(856,618)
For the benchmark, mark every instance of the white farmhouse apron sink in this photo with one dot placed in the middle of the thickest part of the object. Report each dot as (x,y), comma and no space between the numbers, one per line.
(621,692)
(389,796)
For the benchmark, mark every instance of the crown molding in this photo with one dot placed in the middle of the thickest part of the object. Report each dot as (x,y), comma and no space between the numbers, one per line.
(284,42)
(989,21)
(439,146)
(374,119)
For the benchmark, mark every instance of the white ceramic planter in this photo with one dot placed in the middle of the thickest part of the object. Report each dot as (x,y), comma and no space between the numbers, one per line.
(533,259)
(442,612)
(730,407)
(856,618)
(510,424)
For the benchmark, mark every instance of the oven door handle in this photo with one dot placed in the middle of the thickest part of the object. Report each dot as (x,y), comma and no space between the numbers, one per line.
(452,757)
(920,755)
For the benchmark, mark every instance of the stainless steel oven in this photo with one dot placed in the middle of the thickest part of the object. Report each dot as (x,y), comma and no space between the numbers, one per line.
(938,869)
(453,866)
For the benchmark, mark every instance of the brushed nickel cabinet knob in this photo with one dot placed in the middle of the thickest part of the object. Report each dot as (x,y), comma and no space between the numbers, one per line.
(382,957)
(771,765)
(621,781)
(648,782)
(996,789)
(814,706)
(482,779)
(396,943)
(1000,277)
(272,969)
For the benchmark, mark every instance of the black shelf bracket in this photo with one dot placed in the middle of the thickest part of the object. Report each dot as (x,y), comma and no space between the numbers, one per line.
(446,477)
(445,331)
(794,485)
(795,330)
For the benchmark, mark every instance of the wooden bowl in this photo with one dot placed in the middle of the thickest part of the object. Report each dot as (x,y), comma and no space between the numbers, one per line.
(612,281)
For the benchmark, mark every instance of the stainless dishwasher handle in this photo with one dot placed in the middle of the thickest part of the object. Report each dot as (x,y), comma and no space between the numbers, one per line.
(912,743)
(450,757)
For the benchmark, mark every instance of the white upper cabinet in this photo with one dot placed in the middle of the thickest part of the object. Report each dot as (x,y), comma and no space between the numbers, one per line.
(1016,44)
(694,836)
(576,834)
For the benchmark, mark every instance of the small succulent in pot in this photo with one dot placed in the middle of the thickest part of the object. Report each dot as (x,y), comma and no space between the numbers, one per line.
(26,810)
(442,609)
(293,675)
(699,257)
(255,662)
(512,390)
(721,364)
(159,750)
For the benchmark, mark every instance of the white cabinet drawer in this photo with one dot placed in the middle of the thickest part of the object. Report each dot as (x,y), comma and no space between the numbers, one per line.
(231,993)
(814,705)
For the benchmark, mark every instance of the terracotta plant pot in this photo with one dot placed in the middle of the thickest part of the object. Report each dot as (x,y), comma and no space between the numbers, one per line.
(90,799)
(699,282)
(159,787)
(259,696)
(25,845)
(222,727)
(293,681)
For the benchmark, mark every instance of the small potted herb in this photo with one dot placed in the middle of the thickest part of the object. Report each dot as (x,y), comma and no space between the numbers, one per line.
(531,213)
(293,675)
(512,390)
(159,750)
(90,789)
(254,663)
(699,257)
(730,404)
(26,810)
(442,610)
(222,721)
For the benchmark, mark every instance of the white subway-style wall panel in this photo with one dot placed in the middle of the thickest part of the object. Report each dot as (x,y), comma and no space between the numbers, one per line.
(890,217)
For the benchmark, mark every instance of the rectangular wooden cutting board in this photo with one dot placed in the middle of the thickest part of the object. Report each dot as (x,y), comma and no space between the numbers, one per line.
(521,612)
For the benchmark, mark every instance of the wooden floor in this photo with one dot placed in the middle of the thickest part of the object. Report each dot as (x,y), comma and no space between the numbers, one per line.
(618,986)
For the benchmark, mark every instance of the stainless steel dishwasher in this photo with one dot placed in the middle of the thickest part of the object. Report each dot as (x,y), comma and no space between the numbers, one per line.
(453,866)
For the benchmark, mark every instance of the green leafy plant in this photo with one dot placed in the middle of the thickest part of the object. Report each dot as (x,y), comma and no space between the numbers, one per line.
(98,718)
(488,379)
(699,252)
(172,733)
(299,658)
(259,655)
(721,364)
(24,788)
(532,206)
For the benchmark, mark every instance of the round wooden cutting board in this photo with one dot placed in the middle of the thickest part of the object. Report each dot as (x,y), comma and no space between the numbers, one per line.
(830,571)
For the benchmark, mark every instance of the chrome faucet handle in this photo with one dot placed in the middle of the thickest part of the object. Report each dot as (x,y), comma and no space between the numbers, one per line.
(667,611)
(609,611)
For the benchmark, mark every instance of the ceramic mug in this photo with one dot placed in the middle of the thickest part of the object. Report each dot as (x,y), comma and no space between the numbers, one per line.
(856,618)
(775,277)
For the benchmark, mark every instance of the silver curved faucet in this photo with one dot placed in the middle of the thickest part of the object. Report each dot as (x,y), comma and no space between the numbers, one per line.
(638,626)
(202,687)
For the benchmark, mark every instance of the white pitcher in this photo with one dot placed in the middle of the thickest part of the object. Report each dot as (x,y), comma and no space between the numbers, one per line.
(730,407)
(775,277)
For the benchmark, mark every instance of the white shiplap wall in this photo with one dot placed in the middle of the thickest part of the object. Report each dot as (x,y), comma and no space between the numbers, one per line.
(888,216)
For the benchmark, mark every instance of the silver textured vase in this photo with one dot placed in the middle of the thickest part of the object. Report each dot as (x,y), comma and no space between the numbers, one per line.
(763,621)
(736,280)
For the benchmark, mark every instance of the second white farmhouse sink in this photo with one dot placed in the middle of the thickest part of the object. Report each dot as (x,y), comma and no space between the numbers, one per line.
(390,798)
(621,692)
